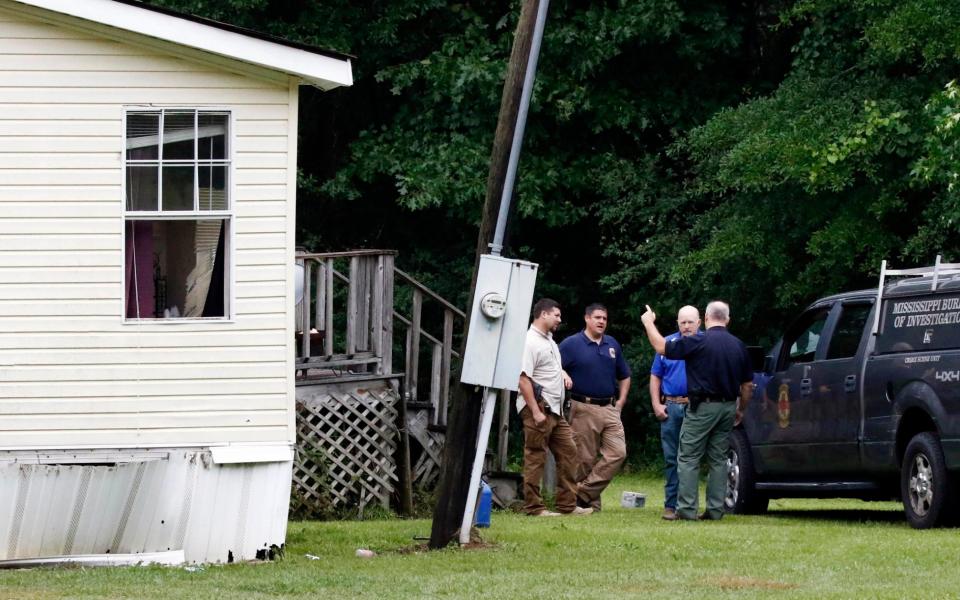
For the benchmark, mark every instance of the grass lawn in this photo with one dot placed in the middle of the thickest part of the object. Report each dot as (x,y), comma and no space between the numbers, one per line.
(802,549)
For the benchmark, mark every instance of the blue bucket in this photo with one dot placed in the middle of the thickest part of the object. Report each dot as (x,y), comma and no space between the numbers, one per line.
(485,506)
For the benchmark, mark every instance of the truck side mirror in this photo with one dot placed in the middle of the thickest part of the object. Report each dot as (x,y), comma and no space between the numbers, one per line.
(757,359)
(769,364)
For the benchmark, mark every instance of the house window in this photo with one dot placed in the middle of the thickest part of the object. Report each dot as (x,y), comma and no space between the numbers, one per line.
(178,214)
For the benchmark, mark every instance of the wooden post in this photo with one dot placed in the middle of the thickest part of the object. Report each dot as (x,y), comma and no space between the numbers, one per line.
(321,303)
(435,371)
(414,346)
(376,313)
(445,366)
(464,411)
(353,304)
(386,322)
(328,311)
(364,285)
(503,431)
(305,310)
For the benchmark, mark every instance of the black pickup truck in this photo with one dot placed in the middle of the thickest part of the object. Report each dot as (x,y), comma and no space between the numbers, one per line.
(856,403)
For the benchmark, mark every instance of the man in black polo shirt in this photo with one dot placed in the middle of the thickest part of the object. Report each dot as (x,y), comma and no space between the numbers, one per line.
(718,371)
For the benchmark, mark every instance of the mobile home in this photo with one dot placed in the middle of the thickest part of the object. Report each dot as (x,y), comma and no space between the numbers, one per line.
(147,201)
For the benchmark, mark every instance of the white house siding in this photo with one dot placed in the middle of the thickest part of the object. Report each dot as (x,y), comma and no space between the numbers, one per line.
(72,373)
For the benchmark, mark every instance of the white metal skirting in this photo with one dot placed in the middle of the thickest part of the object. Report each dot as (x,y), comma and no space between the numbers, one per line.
(149,501)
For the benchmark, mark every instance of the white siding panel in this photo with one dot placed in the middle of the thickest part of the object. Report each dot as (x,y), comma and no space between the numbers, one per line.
(56,275)
(162,372)
(256,256)
(72,372)
(9,127)
(145,339)
(138,438)
(132,405)
(68,47)
(117,357)
(184,96)
(47,256)
(263,225)
(54,112)
(263,144)
(255,241)
(29,292)
(256,193)
(60,160)
(260,176)
(70,177)
(263,127)
(60,210)
(82,63)
(135,79)
(261,160)
(156,420)
(148,389)
(25,324)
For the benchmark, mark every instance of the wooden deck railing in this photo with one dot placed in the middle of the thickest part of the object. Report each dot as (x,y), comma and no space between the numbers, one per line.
(346,325)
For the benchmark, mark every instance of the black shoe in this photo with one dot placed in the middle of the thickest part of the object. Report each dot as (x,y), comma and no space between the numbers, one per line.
(706,517)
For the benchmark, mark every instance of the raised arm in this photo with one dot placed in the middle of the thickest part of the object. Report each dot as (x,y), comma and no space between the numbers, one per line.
(656,340)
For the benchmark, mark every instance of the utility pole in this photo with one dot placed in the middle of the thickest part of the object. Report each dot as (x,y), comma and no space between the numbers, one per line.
(464,410)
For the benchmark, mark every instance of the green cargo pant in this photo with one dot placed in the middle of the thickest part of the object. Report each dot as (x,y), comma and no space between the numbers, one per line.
(705,431)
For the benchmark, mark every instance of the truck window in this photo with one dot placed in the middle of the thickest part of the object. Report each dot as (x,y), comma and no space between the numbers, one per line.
(801,342)
(848,332)
(922,322)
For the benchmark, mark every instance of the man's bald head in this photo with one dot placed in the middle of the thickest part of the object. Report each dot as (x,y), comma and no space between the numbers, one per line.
(688,320)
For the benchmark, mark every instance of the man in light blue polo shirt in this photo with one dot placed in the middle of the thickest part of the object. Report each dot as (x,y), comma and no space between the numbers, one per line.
(668,395)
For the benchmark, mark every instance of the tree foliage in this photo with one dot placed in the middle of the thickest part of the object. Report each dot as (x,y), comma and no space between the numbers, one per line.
(766,153)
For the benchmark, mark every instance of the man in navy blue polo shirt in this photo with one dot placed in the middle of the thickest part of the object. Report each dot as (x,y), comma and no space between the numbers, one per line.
(718,372)
(668,396)
(601,380)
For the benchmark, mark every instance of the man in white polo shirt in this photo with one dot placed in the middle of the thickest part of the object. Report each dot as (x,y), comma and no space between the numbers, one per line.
(539,403)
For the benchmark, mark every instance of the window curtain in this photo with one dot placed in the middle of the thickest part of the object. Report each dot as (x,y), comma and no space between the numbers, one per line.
(139,270)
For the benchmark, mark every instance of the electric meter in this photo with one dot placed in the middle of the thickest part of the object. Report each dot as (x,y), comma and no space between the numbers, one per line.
(493,305)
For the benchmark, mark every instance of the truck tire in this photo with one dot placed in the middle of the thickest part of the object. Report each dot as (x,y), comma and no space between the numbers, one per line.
(742,496)
(926,488)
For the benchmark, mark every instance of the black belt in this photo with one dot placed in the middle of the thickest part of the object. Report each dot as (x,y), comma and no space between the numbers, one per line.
(701,399)
(594,401)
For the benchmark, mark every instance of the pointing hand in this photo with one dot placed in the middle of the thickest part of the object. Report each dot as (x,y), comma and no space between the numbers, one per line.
(649,316)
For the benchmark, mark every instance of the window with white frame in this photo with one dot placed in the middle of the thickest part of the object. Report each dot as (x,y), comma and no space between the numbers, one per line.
(178,214)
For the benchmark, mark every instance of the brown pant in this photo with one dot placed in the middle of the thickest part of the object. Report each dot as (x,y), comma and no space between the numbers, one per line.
(591,425)
(555,434)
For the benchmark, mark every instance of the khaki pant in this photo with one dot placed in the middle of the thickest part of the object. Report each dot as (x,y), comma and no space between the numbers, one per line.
(554,434)
(592,426)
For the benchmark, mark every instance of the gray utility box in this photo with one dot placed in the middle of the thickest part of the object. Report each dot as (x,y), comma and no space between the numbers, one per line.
(499,318)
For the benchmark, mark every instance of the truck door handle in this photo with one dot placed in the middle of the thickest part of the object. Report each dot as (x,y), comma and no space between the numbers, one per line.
(850,383)
(806,386)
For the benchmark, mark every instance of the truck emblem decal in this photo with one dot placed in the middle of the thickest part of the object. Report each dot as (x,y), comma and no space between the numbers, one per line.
(947,376)
(783,406)
(928,336)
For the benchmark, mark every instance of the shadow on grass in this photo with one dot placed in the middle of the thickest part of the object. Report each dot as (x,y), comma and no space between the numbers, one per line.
(842,515)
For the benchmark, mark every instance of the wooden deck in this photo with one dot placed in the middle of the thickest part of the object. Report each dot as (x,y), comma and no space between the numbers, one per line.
(363,318)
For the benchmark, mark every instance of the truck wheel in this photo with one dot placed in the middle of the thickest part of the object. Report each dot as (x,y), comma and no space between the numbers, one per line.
(742,495)
(925,485)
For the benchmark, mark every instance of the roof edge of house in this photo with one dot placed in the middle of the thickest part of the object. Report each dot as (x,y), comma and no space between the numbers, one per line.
(325,69)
